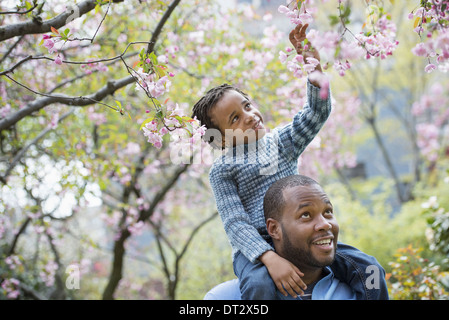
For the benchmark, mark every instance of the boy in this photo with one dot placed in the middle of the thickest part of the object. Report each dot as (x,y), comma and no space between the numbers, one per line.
(240,178)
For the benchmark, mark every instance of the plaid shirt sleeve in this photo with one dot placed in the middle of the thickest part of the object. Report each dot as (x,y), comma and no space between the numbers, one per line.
(242,235)
(296,136)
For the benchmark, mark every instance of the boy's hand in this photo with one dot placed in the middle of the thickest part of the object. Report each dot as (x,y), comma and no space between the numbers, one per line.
(285,275)
(297,37)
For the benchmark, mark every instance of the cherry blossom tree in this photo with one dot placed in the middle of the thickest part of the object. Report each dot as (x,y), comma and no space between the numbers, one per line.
(96,99)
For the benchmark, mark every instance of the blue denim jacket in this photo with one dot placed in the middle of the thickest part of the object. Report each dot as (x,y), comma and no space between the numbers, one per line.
(353,275)
(327,288)
(361,272)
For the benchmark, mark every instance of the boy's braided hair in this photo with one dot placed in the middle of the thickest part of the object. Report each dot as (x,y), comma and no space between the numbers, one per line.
(201,109)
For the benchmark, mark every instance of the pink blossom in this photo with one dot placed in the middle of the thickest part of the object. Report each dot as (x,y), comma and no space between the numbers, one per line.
(58,60)
(11,286)
(153,138)
(309,67)
(162,59)
(313,61)
(283,9)
(132,148)
(283,56)
(5,110)
(430,68)
(267,17)
(420,50)
(152,125)
(163,131)
(299,58)
(136,228)
(54,121)
(306,18)
(49,44)
(98,118)
(428,140)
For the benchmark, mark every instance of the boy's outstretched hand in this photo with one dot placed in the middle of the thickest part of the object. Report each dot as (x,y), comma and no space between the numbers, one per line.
(297,37)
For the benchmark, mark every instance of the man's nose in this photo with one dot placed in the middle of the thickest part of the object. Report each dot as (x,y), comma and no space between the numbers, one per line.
(322,224)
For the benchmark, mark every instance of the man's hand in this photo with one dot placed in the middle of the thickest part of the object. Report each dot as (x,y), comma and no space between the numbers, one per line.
(297,38)
(285,275)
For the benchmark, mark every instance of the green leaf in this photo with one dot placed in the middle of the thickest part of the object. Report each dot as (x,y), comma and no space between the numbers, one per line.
(153,58)
(189,128)
(334,20)
(161,72)
(142,54)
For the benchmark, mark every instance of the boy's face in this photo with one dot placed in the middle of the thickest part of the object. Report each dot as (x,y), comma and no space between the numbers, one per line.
(238,121)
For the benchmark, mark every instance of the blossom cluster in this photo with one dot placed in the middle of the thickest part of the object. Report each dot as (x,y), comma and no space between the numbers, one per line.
(181,128)
(54,43)
(435,46)
(150,83)
(430,131)
(381,43)
(49,41)
(339,52)
(296,16)
(11,288)
(154,78)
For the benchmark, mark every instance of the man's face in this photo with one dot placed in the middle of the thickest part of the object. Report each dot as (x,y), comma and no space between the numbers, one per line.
(309,228)
(237,119)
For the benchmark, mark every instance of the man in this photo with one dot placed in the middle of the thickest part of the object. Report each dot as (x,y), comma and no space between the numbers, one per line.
(300,220)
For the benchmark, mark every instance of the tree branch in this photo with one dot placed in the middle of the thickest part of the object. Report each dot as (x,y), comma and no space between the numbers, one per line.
(108,89)
(161,24)
(34,27)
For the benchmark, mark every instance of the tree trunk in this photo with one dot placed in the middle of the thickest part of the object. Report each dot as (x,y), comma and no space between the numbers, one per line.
(117,266)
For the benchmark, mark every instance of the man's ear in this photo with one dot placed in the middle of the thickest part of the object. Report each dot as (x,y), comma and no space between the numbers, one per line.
(274,229)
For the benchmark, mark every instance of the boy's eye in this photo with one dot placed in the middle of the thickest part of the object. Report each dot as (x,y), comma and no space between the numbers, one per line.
(235,119)
(248,106)
(305,215)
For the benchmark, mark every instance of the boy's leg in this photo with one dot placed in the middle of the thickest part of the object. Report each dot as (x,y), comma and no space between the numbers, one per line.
(361,272)
(255,281)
